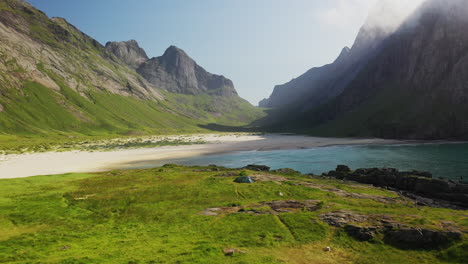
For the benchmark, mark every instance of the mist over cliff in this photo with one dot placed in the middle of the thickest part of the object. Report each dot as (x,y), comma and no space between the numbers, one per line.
(399,79)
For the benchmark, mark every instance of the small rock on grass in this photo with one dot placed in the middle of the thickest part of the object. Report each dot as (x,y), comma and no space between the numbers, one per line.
(232,251)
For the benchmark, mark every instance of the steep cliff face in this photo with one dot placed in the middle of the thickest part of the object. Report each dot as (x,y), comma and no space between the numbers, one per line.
(406,82)
(319,85)
(417,86)
(176,72)
(315,86)
(128,51)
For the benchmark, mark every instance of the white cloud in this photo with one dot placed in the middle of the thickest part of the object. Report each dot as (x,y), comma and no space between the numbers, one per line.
(345,14)
(349,14)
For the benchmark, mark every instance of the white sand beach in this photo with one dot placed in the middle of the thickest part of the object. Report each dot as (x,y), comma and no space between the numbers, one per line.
(48,163)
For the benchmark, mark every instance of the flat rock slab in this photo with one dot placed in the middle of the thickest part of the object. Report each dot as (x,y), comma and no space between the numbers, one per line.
(293,205)
(273,207)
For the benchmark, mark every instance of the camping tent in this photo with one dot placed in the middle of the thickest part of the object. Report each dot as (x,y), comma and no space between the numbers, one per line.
(244,179)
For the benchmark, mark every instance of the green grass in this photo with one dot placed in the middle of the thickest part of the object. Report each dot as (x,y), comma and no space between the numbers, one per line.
(36,117)
(230,111)
(154,216)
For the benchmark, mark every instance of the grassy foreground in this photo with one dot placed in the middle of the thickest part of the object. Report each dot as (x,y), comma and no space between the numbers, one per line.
(156,216)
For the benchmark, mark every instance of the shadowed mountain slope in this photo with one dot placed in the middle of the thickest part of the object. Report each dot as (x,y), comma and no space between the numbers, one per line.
(412,85)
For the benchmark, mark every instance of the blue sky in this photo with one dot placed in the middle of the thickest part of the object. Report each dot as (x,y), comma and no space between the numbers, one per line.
(255,43)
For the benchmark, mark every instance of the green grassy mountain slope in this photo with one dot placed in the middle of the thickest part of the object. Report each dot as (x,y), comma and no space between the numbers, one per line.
(56,80)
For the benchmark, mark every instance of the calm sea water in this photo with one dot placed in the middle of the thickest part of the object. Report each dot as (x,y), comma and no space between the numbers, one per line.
(443,160)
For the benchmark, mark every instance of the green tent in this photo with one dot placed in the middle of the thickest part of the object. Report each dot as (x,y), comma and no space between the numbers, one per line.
(244,179)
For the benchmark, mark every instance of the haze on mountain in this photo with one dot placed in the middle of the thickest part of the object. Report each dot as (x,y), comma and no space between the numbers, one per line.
(399,80)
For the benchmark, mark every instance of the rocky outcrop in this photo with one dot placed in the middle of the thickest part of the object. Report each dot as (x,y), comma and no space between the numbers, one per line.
(395,233)
(293,205)
(129,52)
(342,218)
(176,72)
(361,233)
(257,167)
(273,207)
(416,182)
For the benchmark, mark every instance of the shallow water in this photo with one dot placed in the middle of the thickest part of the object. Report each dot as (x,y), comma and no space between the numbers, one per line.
(443,160)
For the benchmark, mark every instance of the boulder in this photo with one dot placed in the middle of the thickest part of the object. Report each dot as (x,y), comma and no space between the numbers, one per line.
(360,233)
(232,251)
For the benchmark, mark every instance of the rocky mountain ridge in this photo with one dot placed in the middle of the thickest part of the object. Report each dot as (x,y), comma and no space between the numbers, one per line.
(320,84)
(31,44)
(55,79)
(412,83)
(174,71)
(128,51)
(416,86)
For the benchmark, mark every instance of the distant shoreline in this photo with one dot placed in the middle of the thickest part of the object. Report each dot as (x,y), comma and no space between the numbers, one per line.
(25,165)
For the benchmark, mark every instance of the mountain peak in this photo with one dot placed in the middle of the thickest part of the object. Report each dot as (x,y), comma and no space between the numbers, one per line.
(388,15)
(174,48)
(344,53)
(384,19)
(128,51)
(174,51)
(175,71)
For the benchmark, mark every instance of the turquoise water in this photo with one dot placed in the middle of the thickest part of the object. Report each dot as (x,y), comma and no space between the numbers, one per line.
(443,160)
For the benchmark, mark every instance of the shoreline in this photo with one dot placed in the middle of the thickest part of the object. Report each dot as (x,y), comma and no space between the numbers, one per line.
(50,163)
